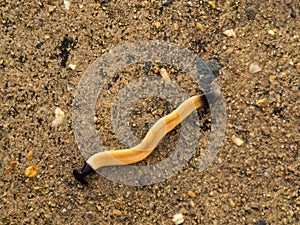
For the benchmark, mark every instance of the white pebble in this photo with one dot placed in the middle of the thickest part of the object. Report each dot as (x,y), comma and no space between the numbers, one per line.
(59,117)
(178,219)
(271,32)
(267,174)
(254,68)
(165,75)
(230,33)
(72,66)
(236,140)
(67,4)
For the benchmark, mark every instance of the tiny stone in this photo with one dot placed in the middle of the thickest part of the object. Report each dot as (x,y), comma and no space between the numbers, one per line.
(67,4)
(191,194)
(254,68)
(176,26)
(157,25)
(200,26)
(11,166)
(69,88)
(51,9)
(59,117)
(272,79)
(262,102)
(231,203)
(267,174)
(98,208)
(236,140)
(47,36)
(192,204)
(252,11)
(31,171)
(261,222)
(178,219)
(271,32)
(117,212)
(165,75)
(72,66)
(291,63)
(212,4)
(230,33)
(29,155)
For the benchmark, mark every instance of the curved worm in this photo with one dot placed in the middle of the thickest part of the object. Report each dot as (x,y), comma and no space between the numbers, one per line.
(150,141)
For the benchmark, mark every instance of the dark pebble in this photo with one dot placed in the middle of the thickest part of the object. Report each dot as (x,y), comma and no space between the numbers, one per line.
(167,3)
(261,222)
(115,78)
(293,12)
(147,67)
(39,45)
(251,11)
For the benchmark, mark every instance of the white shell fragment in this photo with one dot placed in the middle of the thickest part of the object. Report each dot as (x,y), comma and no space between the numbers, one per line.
(254,68)
(72,66)
(236,140)
(230,33)
(271,32)
(59,117)
(67,4)
(165,75)
(178,219)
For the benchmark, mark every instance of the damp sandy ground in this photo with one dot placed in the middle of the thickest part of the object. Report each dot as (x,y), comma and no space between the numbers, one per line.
(258,182)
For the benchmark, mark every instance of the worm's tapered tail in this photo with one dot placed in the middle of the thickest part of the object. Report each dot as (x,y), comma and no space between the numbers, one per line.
(150,141)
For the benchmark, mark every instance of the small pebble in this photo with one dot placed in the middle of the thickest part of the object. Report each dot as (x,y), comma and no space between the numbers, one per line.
(67,4)
(261,222)
(293,12)
(271,32)
(117,212)
(262,102)
(231,203)
(59,117)
(291,63)
(199,26)
(267,174)
(157,25)
(192,204)
(212,4)
(252,11)
(72,66)
(165,75)
(11,166)
(51,8)
(29,155)
(178,219)
(47,36)
(31,171)
(230,33)
(272,79)
(191,194)
(236,140)
(176,26)
(254,68)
